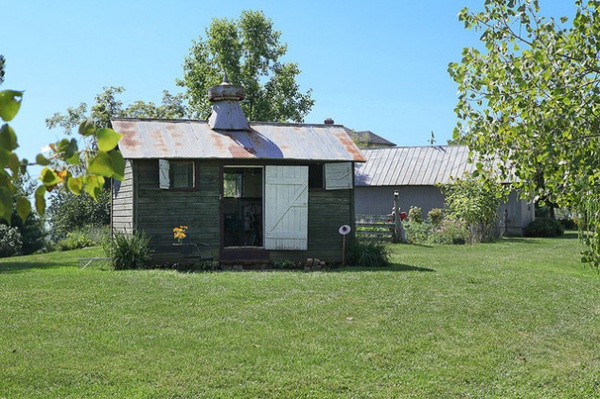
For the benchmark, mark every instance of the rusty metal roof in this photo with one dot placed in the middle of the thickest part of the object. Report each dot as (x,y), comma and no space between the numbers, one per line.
(155,138)
(413,166)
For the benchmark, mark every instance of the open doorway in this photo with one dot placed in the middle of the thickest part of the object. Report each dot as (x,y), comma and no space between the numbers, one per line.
(243,206)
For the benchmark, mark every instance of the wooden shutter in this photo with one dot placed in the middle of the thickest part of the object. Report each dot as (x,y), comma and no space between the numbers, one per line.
(163,174)
(338,176)
(286,207)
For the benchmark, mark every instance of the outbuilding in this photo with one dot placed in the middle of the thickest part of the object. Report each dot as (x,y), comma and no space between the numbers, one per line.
(254,192)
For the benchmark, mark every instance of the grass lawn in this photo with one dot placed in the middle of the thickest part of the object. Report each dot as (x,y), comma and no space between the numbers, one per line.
(515,319)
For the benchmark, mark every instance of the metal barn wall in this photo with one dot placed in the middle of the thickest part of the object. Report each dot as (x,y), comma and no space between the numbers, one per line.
(380,200)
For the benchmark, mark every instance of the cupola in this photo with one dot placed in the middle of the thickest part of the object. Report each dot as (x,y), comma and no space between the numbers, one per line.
(227,114)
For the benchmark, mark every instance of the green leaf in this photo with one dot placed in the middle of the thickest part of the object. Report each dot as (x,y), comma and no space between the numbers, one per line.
(75,185)
(14,164)
(87,128)
(93,185)
(118,164)
(101,165)
(10,102)
(4,154)
(42,160)
(8,138)
(49,177)
(107,139)
(40,200)
(6,203)
(23,208)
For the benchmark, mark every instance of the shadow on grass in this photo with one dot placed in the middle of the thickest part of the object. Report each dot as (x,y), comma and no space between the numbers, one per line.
(394,267)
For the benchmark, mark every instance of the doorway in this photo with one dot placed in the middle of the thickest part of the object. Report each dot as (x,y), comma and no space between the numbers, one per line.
(243,206)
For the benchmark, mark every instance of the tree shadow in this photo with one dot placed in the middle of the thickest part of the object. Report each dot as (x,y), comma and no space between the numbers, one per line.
(394,267)
(21,267)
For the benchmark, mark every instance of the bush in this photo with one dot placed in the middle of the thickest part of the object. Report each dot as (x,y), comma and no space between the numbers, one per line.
(544,228)
(415,215)
(568,223)
(435,216)
(127,251)
(368,254)
(449,232)
(75,240)
(418,233)
(10,241)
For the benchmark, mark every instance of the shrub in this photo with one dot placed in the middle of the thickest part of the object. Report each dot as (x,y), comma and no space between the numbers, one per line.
(127,251)
(368,254)
(544,228)
(449,232)
(287,264)
(418,233)
(415,215)
(75,240)
(10,241)
(568,223)
(435,216)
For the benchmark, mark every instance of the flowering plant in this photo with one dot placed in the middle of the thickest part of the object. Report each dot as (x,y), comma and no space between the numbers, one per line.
(179,233)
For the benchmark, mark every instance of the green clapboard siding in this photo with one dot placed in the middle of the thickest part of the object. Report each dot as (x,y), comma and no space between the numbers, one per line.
(158,211)
(327,211)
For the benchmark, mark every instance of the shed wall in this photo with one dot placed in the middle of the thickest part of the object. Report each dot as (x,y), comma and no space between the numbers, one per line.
(122,202)
(159,210)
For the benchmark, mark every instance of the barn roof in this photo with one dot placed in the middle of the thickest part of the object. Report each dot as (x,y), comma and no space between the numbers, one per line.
(412,166)
(172,139)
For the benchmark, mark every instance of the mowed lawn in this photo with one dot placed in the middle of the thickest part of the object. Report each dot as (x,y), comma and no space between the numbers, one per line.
(515,319)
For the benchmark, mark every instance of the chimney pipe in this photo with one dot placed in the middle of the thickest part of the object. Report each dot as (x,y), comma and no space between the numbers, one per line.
(328,121)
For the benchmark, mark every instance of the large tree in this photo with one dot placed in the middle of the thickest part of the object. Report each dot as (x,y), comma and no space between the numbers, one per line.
(249,50)
(529,103)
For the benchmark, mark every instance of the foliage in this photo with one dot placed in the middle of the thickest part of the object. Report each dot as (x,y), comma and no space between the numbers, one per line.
(531,102)
(68,212)
(415,214)
(287,264)
(418,233)
(474,202)
(60,163)
(435,216)
(543,227)
(107,106)
(445,231)
(249,51)
(449,232)
(368,254)
(2,62)
(32,229)
(75,240)
(128,251)
(10,241)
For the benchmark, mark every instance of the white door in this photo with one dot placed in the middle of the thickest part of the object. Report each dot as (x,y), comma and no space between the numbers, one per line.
(286,207)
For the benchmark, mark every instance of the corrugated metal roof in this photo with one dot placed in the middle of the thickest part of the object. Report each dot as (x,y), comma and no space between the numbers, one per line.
(154,138)
(412,166)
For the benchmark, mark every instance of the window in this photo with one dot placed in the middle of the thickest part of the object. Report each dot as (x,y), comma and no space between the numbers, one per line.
(176,174)
(316,179)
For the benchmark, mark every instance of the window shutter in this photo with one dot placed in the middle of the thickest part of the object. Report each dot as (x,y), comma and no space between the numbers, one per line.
(286,207)
(338,176)
(163,174)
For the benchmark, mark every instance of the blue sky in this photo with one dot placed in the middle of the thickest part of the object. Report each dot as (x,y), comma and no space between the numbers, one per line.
(377,65)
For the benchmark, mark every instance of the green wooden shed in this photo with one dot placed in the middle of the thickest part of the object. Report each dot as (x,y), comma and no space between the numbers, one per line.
(253,192)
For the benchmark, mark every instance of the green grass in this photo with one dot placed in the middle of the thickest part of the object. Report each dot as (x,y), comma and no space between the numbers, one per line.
(515,319)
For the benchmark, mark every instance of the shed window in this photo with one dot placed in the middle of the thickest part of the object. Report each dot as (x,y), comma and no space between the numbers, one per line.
(176,174)
(316,178)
